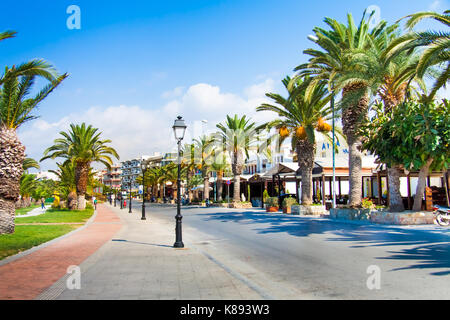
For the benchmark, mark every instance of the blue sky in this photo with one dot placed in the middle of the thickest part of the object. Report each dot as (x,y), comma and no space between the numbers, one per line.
(134,65)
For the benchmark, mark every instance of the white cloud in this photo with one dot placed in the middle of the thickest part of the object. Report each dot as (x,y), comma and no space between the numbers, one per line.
(136,130)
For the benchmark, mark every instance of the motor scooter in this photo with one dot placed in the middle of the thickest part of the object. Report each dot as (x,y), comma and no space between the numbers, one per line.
(442,215)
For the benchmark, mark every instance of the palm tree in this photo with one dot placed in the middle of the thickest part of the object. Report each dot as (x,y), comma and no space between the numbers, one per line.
(220,166)
(170,173)
(301,115)
(81,146)
(237,136)
(329,63)
(188,161)
(37,67)
(436,45)
(67,184)
(29,163)
(204,151)
(28,182)
(16,108)
(27,186)
(388,78)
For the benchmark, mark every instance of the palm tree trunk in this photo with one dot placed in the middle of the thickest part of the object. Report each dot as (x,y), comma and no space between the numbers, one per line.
(12,154)
(352,115)
(395,198)
(236,167)
(219,186)
(236,188)
(206,187)
(72,200)
(305,152)
(423,173)
(81,178)
(355,171)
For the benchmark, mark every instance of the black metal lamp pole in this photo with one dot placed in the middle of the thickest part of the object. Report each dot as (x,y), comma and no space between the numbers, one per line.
(129,205)
(178,217)
(144,169)
(179,129)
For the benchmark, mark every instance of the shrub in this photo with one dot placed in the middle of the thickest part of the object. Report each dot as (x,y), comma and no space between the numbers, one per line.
(289,202)
(265,195)
(367,203)
(272,202)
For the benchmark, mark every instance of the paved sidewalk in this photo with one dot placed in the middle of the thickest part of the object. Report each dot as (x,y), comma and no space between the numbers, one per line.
(34,212)
(28,276)
(140,263)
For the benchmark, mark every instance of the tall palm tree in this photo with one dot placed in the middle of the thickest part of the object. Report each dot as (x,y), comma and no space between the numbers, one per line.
(204,151)
(237,136)
(389,79)
(436,45)
(16,108)
(328,63)
(82,146)
(300,118)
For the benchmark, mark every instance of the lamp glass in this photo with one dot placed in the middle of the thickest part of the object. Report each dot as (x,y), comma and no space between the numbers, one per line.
(179,128)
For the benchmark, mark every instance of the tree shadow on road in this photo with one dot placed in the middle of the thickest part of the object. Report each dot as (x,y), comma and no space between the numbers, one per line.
(429,249)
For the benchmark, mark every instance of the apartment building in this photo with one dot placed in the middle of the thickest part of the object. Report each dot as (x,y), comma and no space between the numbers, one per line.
(130,170)
(112,177)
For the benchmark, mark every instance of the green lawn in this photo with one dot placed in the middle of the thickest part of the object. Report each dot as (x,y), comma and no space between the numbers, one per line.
(22,211)
(26,237)
(58,216)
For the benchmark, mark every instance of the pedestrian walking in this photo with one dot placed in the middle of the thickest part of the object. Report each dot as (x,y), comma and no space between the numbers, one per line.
(94,201)
(42,203)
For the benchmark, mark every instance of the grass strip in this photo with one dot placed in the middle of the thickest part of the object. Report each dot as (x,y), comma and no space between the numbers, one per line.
(59,216)
(26,237)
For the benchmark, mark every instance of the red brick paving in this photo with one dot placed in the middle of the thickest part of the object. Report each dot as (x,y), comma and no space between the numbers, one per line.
(27,277)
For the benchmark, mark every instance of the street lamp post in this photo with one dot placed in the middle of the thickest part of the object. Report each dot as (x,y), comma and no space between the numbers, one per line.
(129,198)
(115,196)
(334,155)
(179,128)
(144,167)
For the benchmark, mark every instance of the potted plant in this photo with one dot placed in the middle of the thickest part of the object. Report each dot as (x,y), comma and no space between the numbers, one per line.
(272,204)
(288,203)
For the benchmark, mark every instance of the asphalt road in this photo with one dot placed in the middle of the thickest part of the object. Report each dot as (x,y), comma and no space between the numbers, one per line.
(292,257)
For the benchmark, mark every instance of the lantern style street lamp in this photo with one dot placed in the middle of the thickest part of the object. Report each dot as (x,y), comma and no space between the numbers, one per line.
(179,128)
(144,167)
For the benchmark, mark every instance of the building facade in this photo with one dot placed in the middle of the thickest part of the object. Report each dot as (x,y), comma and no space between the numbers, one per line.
(112,177)
(130,170)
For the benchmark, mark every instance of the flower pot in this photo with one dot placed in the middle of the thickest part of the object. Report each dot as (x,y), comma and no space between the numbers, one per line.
(271,209)
(287,210)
